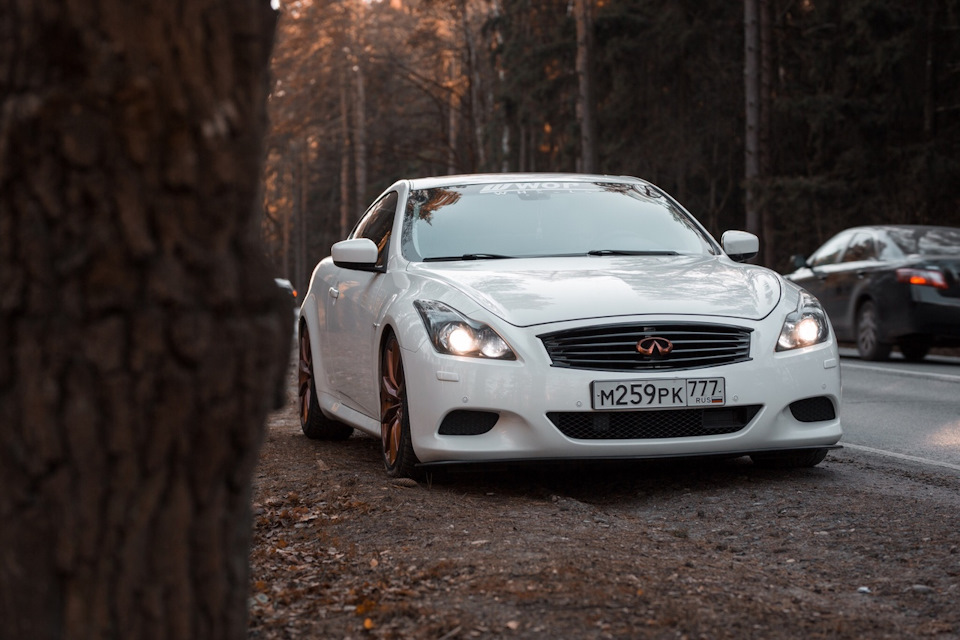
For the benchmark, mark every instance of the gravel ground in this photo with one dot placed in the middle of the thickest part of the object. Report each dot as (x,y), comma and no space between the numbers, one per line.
(858,547)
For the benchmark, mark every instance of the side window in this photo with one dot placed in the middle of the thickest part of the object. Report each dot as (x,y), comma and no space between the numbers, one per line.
(377,225)
(861,248)
(886,249)
(830,252)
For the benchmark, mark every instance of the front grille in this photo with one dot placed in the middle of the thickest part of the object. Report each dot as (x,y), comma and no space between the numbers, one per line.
(614,347)
(645,425)
(468,423)
(817,409)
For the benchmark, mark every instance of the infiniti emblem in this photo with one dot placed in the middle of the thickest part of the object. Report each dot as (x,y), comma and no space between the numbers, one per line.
(654,346)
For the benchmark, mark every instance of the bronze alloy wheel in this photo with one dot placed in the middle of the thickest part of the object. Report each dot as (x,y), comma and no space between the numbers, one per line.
(305,388)
(398,456)
(315,425)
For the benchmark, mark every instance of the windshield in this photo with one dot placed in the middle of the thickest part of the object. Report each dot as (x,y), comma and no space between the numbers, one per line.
(538,219)
(927,241)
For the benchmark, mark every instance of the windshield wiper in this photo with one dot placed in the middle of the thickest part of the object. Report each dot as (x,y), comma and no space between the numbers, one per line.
(626,252)
(467,256)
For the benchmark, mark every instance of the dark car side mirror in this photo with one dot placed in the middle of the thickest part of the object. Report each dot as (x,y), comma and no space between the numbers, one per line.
(799,261)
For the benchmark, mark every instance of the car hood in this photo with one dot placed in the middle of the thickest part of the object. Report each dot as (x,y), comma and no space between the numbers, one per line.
(527,292)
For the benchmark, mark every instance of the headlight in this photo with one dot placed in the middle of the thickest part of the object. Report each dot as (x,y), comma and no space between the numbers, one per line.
(454,334)
(805,326)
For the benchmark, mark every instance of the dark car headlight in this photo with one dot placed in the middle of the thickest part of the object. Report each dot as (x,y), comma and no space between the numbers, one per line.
(805,326)
(454,334)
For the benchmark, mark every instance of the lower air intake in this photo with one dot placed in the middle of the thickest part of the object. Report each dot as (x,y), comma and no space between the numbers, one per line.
(647,425)
(468,423)
(819,409)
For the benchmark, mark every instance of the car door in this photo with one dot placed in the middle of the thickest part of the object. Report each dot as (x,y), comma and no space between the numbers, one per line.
(353,309)
(859,259)
(823,272)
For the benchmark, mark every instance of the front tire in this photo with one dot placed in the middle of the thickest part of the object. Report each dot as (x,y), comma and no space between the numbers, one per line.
(314,424)
(868,334)
(399,459)
(795,459)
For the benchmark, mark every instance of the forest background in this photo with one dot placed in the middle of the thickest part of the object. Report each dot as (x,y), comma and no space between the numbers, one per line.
(792,119)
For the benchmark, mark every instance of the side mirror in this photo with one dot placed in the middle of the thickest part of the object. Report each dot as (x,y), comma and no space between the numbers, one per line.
(359,253)
(798,261)
(740,245)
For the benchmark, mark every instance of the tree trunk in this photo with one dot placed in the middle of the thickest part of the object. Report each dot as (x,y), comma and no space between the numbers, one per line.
(286,229)
(344,156)
(360,138)
(453,111)
(141,340)
(586,112)
(302,261)
(478,114)
(358,42)
(768,254)
(751,77)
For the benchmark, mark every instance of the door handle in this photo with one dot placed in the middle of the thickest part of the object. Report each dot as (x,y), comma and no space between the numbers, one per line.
(334,292)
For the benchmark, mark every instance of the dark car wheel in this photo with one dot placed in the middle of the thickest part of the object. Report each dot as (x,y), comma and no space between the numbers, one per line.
(795,459)
(868,334)
(315,425)
(915,349)
(398,457)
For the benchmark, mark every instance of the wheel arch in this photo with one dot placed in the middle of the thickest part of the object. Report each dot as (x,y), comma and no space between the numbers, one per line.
(860,299)
(312,323)
(387,329)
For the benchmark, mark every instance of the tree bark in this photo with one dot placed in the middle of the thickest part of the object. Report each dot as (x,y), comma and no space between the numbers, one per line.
(142,341)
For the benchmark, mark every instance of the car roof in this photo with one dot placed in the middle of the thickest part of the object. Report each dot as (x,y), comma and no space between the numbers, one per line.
(904,227)
(493,178)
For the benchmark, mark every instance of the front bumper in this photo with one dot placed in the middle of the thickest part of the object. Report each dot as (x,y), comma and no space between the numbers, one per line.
(522,393)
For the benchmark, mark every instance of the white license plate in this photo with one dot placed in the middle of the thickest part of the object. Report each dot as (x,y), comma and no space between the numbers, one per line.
(658,394)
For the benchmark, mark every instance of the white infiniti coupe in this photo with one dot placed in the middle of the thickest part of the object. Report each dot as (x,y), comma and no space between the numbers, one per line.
(560,316)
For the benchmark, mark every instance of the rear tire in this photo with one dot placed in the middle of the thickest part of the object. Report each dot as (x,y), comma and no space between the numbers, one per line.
(868,333)
(314,424)
(794,459)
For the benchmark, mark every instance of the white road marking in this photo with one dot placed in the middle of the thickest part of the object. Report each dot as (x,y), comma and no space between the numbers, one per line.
(901,456)
(944,377)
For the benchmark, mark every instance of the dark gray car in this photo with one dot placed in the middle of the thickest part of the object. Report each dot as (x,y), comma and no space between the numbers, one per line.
(888,285)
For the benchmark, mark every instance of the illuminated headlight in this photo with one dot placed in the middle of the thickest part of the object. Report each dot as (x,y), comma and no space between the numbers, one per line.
(454,334)
(805,326)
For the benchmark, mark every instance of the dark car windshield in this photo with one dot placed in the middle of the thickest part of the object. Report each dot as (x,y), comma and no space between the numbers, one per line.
(927,241)
(534,219)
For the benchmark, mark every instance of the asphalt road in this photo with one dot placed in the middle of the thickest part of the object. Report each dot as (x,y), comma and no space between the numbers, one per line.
(902,409)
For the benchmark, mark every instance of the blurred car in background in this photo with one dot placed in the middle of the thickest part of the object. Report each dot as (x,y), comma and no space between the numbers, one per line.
(888,285)
(287,286)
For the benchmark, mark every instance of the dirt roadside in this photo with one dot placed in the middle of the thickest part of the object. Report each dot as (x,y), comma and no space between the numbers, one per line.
(858,547)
